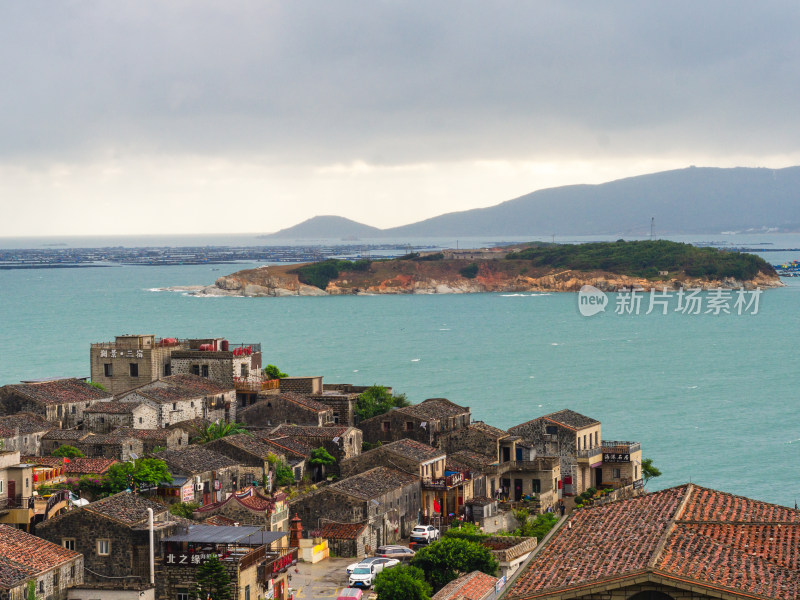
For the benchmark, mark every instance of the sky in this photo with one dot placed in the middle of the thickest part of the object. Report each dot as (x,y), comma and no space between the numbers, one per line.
(224,117)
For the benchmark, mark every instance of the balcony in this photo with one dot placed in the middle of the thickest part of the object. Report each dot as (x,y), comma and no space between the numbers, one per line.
(445,483)
(255,384)
(276,563)
(620,447)
(590,456)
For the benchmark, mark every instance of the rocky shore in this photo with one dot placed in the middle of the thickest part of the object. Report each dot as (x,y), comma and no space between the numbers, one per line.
(432,279)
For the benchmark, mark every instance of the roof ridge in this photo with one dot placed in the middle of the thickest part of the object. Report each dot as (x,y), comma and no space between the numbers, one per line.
(670,528)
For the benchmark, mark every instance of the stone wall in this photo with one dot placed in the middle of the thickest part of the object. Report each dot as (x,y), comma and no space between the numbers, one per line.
(377,457)
(302,385)
(400,426)
(151,363)
(117,449)
(274,410)
(342,407)
(468,438)
(221,367)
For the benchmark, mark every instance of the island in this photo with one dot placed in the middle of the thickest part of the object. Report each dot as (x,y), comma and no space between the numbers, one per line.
(534,267)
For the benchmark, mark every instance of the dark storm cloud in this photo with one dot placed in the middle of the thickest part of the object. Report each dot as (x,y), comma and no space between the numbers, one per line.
(388,82)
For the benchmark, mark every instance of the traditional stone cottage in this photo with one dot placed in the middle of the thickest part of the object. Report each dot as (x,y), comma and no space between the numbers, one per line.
(112,534)
(212,475)
(349,539)
(386,499)
(246,449)
(116,446)
(287,407)
(218,360)
(24,432)
(154,439)
(249,507)
(55,438)
(107,416)
(291,451)
(341,442)
(572,437)
(476,437)
(25,558)
(60,401)
(423,422)
(181,397)
(410,456)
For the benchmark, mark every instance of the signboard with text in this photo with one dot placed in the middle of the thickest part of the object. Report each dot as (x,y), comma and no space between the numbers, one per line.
(616,457)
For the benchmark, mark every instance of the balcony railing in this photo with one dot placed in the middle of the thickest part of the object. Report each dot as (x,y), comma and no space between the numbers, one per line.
(17,502)
(255,384)
(588,454)
(443,483)
(277,563)
(616,446)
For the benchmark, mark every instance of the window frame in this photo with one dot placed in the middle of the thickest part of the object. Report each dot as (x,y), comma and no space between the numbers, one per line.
(68,543)
(107,542)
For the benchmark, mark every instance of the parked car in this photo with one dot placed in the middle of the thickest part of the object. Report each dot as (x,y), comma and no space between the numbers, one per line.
(349,594)
(364,575)
(386,562)
(398,552)
(424,533)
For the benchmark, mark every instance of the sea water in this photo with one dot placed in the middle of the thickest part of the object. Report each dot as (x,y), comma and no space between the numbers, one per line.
(712,398)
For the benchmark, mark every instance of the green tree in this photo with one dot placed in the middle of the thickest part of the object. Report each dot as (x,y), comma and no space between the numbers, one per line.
(376,400)
(184,509)
(32,590)
(99,386)
(284,474)
(67,452)
(215,431)
(273,372)
(649,470)
(470,271)
(212,580)
(143,471)
(322,457)
(450,558)
(402,583)
(537,526)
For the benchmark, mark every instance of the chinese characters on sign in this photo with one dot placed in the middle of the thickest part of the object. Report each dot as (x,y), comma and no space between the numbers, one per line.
(183,558)
(688,302)
(614,457)
(113,353)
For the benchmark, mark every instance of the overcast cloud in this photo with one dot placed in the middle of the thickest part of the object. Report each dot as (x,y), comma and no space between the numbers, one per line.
(196,116)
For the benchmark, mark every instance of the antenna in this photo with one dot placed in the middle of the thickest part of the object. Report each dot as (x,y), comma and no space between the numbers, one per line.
(652,228)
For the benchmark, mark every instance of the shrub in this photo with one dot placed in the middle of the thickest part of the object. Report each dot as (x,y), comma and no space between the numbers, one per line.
(470,271)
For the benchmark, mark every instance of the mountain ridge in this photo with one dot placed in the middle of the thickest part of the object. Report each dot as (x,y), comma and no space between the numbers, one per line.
(693,200)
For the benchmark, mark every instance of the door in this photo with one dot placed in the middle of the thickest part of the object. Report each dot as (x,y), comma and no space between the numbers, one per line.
(598,479)
(12,493)
(517,490)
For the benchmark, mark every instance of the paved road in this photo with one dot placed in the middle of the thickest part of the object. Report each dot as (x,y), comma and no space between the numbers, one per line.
(322,581)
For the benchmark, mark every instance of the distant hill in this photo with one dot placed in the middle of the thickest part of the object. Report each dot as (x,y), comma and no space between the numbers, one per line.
(327,227)
(691,200)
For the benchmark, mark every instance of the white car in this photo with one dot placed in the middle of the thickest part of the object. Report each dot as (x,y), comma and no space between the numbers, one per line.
(380,560)
(365,573)
(424,533)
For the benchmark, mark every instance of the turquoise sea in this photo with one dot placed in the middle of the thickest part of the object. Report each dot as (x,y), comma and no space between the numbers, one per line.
(712,398)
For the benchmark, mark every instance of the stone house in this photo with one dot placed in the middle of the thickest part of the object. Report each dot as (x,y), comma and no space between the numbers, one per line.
(131,361)
(154,439)
(55,438)
(26,558)
(117,446)
(246,449)
(341,441)
(423,422)
(287,407)
(309,385)
(60,401)
(476,437)
(291,451)
(249,507)
(217,360)
(107,416)
(574,439)
(255,560)
(386,499)
(111,534)
(212,475)
(181,397)
(349,539)
(341,403)
(24,432)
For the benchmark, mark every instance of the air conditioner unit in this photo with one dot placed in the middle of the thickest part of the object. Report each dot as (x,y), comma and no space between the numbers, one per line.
(198,487)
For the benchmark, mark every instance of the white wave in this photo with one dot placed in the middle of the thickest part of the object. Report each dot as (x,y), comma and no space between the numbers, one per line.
(355,370)
(554,344)
(444,330)
(692,387)
(414,360)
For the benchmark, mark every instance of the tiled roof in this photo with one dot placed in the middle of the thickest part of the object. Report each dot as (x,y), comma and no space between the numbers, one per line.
(475,460)
(190,425)
(176,388)
(113,407)
(251,500)
(488,430)
(66,434)
(27,423)
(141,434)
(685,535)
(435,408)
(47,461)
(304,401)
(373,483)
(286,444)
(342,531)
(219,521)
(88,465)
(247,443)
(569,418)
(125,507)
(194,459)
(60,391)
(24,556)
(473,586)
(310,431)
(413,450)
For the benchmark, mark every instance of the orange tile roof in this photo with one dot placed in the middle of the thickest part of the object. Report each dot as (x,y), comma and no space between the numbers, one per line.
(682,536)
(472,586)
(342,531)
(23,556)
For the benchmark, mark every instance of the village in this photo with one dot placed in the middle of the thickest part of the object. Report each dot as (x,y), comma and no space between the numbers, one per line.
(180,454)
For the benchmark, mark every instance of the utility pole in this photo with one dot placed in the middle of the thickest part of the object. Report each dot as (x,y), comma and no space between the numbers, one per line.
(652,228)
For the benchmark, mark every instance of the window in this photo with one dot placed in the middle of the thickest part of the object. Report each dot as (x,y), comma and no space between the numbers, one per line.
(140,420)
(134,369)
(386,426)
(192,404)
(68,543)
(102,419)
(55,579)
(174,406)
(108,370)
(247,592)
(72,572)
(409,425)
(1,486)
(183,594)
(167,370)
(195,369)
(103,547)
(615,473)
(596,437)
(635,472)
(584,442)
(536,486)
(245,370)
(41,586)
(205,370)
(551,429)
